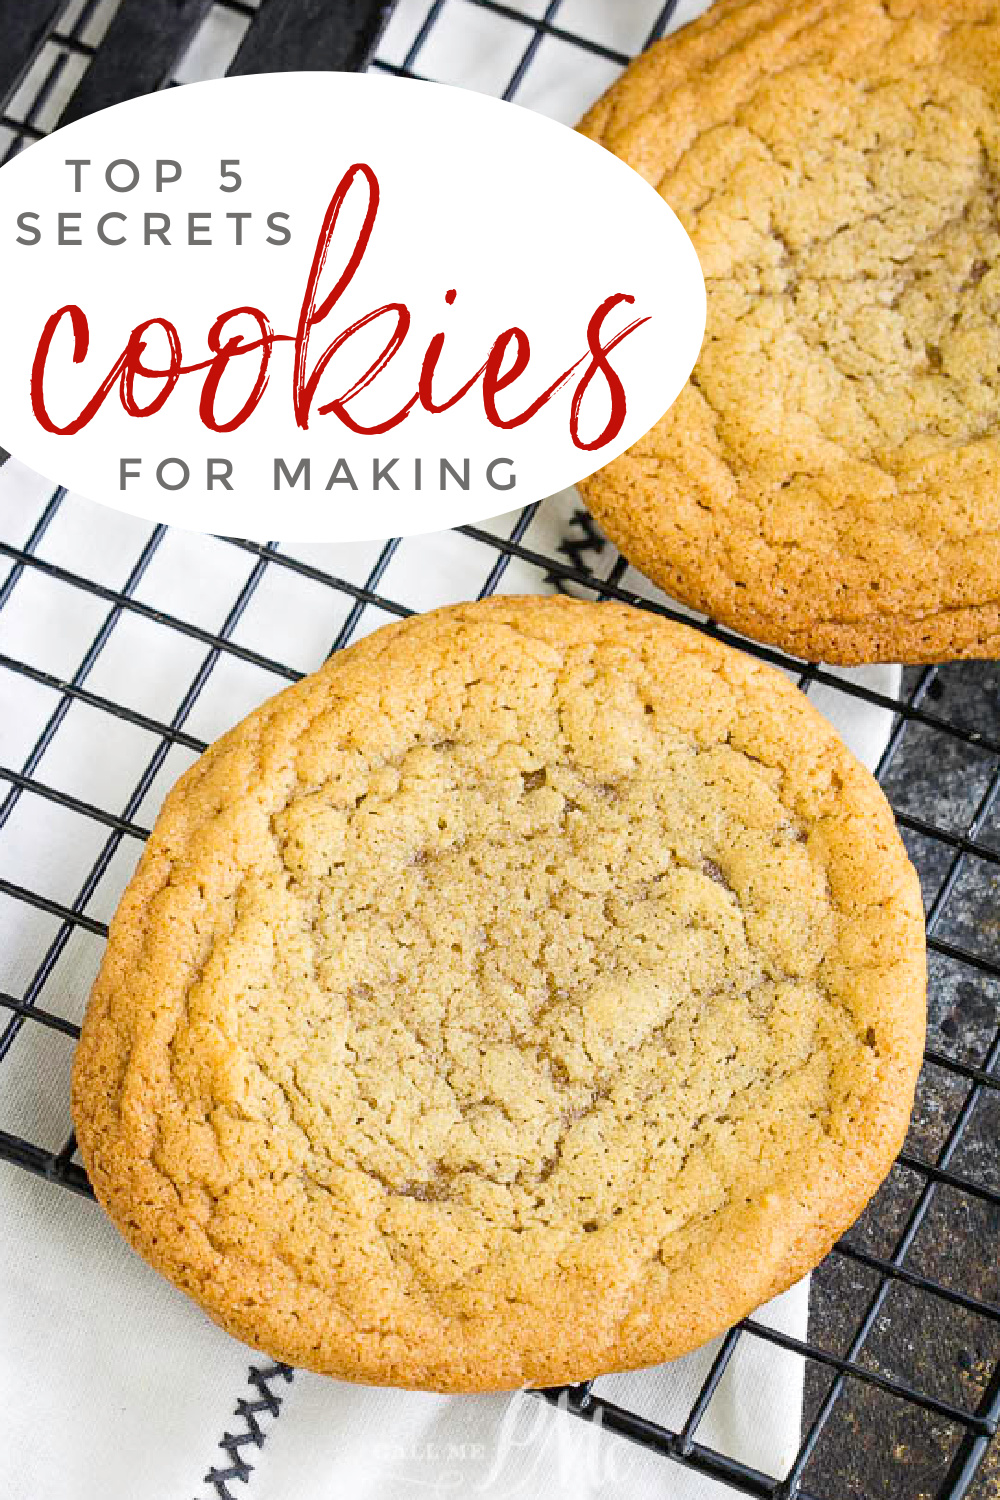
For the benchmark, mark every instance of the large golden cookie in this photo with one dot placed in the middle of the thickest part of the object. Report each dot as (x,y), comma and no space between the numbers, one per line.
(829,480)
(531,992)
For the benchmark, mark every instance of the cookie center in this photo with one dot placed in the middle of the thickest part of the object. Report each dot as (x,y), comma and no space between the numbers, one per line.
(484,975)
(850,238)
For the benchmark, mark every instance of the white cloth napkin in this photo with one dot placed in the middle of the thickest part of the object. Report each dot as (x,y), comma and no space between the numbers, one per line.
(112,1384)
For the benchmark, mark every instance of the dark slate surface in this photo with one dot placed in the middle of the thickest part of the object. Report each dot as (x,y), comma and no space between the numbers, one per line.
(144,42)
(292,35)
(874,1446)
(24,24)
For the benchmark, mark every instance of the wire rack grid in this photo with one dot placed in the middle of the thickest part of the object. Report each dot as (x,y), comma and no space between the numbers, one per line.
(903,1355)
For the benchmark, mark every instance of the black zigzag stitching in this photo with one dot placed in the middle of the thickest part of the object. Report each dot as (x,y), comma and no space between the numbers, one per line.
(577,547)
(251,1413)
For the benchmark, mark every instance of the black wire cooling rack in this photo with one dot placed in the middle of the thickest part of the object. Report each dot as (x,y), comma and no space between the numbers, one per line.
(902,1391)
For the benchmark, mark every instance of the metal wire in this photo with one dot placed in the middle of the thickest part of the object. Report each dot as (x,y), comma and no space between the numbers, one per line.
(931,1181)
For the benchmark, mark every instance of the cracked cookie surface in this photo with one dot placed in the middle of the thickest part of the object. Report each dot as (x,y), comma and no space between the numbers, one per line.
(829,480)
(529,993)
